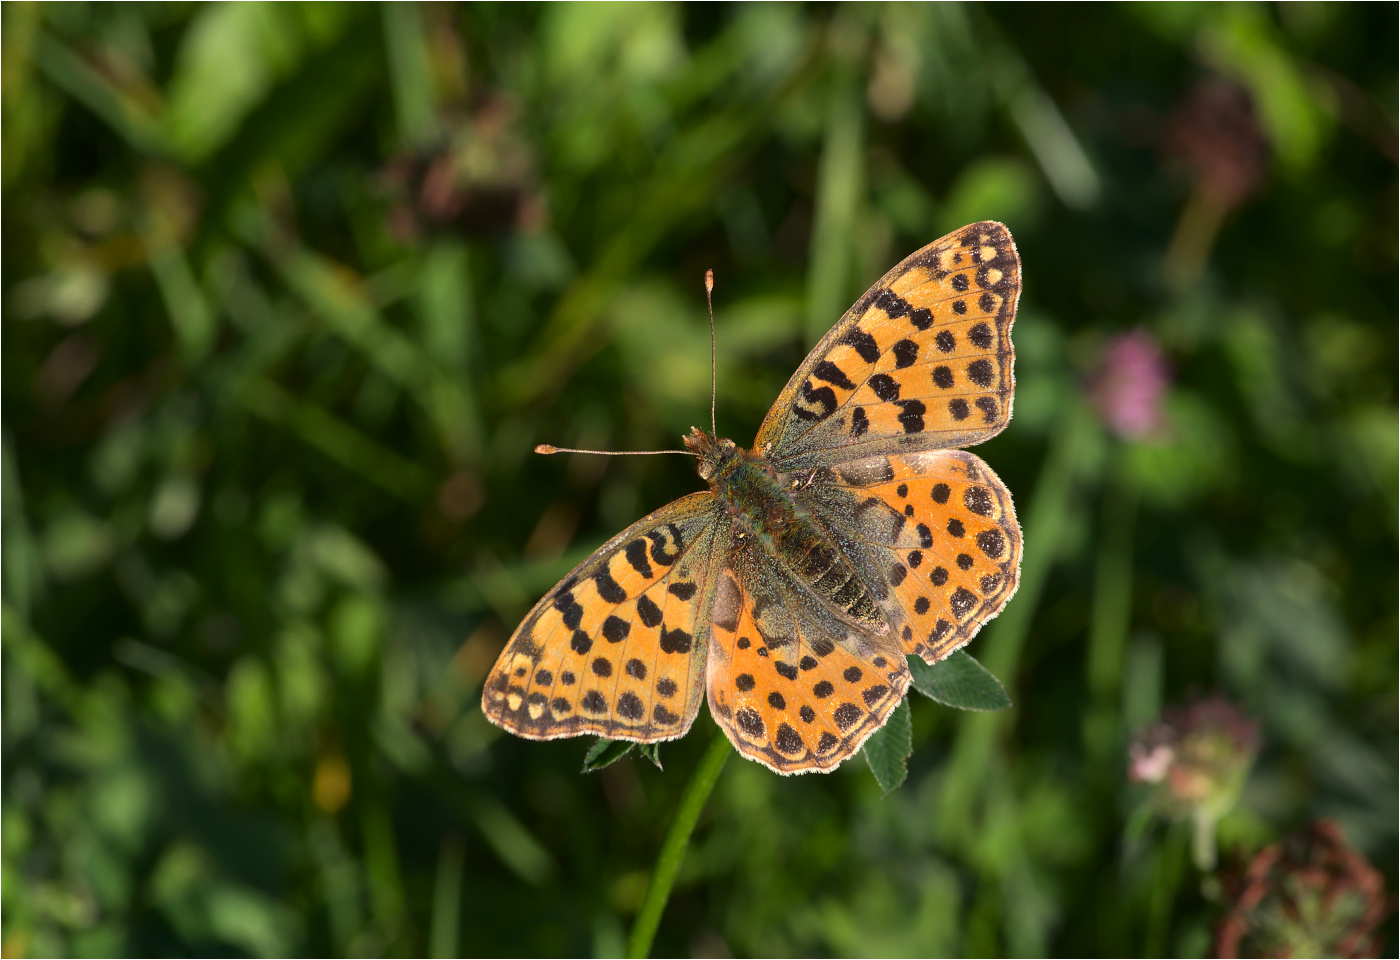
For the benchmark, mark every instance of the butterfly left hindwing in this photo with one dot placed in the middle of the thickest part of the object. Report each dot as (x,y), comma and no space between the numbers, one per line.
(793,685)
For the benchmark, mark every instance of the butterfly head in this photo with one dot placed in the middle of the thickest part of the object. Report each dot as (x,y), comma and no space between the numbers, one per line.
(710,451)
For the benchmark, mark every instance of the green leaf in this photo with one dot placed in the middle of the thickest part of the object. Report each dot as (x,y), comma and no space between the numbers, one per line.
(652,751)
(888,749)
(605,753)
(960,682)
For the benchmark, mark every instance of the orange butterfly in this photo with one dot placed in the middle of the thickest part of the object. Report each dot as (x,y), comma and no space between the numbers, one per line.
(854,534)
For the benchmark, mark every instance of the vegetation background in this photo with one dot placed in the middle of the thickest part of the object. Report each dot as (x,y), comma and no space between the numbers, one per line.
(291,291)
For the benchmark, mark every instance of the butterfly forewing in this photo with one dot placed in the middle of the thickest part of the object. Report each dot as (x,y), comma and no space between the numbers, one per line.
(934,533)
(791,684)
(618,648)
(922,361)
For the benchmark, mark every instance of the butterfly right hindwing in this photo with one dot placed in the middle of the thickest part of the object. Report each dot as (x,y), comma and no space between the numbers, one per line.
(934,534)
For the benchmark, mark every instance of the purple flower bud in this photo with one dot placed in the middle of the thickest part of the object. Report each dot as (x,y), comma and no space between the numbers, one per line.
(1129,385)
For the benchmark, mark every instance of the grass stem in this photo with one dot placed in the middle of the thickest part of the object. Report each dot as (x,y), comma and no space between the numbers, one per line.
(668,862)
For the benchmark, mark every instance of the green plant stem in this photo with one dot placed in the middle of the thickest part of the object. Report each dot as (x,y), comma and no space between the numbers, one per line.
(1111,618)
(668,862)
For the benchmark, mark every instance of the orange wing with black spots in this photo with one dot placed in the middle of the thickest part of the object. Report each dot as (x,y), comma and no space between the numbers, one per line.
(618,648)
(934,533)
(922,361)
(792,684)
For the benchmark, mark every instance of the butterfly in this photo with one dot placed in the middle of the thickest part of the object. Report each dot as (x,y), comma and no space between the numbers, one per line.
(855,533)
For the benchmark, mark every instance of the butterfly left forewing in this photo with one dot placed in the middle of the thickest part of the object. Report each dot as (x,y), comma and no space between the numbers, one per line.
(922,361)
(618,647)
(791,684)
(933,533)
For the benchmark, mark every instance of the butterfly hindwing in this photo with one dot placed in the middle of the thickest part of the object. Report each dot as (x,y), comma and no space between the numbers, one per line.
(618,647)
(935,535)
(792,685)
(922,361)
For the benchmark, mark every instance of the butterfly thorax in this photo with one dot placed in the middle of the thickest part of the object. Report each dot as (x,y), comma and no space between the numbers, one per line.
(765,513)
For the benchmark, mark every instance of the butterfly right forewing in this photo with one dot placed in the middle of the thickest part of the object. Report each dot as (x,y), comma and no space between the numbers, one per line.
(922,361)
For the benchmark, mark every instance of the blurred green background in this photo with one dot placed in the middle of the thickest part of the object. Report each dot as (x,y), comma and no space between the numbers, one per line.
(290,292)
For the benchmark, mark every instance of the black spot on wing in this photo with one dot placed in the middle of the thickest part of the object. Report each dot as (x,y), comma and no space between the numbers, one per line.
(906,352)
(788,740)
(675,641)
(815,404)
(749,721)
(860,423)
(981,373)
(831,373)
(980,335)
(911,415)
(665,717)
(863,343)
(636,554)
(892,303)
(962,602)
(846,716)
(666,546)
(608,588)
(978,499)
(648,612)
(992,543)
(885,387)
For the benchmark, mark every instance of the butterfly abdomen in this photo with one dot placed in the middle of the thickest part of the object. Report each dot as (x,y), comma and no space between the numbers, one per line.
(752,492)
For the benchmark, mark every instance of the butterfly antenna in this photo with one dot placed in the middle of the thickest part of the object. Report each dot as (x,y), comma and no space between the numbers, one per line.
(709,301)
(551,448)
